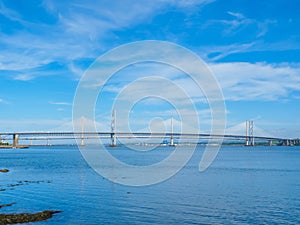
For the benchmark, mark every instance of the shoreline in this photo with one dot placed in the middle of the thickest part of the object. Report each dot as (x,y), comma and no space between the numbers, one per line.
(17,218)
(13,218)
(11,146)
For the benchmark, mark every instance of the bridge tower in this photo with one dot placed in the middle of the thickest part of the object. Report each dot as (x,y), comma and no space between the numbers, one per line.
(113,136)
(249,133)
(172,136)
(82,131)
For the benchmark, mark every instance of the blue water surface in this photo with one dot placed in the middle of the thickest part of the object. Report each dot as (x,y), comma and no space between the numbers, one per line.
(244,185)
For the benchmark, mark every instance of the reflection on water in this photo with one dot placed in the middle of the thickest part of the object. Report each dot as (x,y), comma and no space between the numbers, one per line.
(243,186)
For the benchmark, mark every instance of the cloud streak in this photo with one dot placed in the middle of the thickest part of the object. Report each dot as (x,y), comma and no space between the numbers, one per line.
(60,103)
(239,23)
(2,101)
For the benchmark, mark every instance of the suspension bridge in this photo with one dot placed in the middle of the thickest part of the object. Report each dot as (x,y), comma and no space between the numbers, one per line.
(48,136)
(248,138)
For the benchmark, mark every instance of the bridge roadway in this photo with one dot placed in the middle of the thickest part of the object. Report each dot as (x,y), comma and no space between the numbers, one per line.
(16,136)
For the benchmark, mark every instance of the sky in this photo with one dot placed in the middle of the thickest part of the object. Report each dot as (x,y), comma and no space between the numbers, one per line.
(252,47)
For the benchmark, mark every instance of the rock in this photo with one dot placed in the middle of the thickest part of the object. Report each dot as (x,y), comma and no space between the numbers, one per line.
(4,170)
(5,205)
(26,217)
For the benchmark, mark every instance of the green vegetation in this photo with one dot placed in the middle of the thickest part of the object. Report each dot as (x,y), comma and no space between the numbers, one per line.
(4,144)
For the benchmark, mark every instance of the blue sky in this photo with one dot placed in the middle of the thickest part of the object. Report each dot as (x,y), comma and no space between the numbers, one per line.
(253,48)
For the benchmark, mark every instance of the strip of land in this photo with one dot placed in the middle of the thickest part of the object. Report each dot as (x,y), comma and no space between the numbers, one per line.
(26,217)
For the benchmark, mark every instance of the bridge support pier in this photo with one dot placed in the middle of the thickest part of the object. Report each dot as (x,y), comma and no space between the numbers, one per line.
(15,140)
(113,140)
(172,141)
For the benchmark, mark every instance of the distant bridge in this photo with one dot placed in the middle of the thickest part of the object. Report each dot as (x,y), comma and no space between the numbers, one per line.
(15,137)
(113,135)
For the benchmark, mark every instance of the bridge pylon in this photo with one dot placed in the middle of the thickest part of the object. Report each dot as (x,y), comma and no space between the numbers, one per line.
(172,131)
(113,136)
(82,131)
(249,133)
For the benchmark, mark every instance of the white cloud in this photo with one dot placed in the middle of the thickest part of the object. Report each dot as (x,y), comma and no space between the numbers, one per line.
(237,15)
(259,81)
(238,80)
(78,30)
(190,3)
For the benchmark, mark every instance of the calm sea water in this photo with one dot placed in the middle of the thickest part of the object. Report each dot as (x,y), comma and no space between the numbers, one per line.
(245,185)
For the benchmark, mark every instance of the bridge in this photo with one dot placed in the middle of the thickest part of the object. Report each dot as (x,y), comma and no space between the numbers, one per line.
(31,136)
(248,139)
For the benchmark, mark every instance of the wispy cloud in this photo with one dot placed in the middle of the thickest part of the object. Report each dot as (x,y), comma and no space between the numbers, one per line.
(60,103)
(76,31)
(238,80)
(9,13)
(8,125)
(237,15)
(259,81)
(2,101)
(215,53)
(239,23)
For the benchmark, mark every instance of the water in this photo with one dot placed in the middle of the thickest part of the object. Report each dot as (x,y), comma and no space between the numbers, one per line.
(245,185)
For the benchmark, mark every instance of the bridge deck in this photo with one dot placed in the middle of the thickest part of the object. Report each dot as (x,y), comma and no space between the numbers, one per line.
(87,135)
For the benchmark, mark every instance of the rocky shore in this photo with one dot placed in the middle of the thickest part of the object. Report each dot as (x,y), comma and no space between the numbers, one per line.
(26,217)
(17,218)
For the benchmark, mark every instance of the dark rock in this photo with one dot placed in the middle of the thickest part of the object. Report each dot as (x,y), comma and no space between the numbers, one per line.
(5,205)
(26,217)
